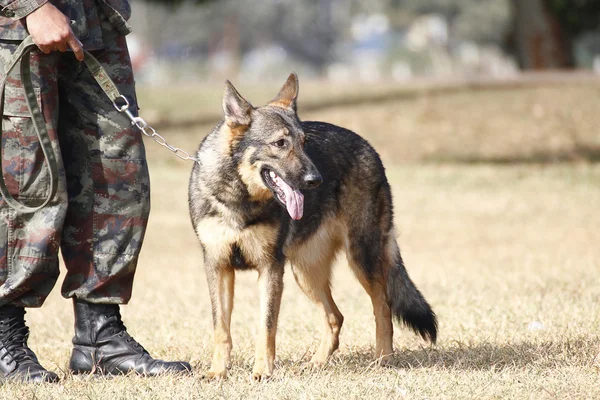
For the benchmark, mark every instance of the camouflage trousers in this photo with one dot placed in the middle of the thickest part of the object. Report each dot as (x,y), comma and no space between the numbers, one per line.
(99,215)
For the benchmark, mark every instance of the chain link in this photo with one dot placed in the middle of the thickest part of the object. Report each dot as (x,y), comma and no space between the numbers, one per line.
(149,131)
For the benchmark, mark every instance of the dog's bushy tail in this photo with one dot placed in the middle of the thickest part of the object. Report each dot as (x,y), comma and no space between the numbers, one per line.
(407,303)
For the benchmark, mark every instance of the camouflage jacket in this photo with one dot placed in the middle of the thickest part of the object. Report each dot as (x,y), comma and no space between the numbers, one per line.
(91,19)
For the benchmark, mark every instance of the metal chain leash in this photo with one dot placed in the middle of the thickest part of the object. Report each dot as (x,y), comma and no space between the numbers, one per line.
(149,131)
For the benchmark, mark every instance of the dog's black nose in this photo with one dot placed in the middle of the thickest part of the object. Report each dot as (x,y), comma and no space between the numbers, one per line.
(312,179)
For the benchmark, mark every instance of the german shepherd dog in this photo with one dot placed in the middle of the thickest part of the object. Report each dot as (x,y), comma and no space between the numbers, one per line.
(269,188)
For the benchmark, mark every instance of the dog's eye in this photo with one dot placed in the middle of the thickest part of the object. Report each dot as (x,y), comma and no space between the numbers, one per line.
(280,143)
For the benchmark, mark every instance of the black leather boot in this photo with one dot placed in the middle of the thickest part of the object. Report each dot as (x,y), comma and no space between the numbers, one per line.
(102,345)
(17,361)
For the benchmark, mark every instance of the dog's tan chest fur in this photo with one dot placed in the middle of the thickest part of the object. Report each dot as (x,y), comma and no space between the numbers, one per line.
(219,239)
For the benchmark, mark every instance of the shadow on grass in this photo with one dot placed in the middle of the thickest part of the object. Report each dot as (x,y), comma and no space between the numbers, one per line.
(486,356)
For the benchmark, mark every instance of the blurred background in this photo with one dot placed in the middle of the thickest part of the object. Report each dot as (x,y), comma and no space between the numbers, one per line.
(362,41)
(422,80)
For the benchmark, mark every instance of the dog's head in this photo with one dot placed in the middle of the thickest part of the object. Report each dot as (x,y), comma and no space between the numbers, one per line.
(267,147)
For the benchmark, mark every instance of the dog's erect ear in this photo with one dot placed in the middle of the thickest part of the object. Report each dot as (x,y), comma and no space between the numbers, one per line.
(288,94)
(236,108)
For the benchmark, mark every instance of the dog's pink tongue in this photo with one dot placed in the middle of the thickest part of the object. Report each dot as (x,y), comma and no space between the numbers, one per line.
(294,201)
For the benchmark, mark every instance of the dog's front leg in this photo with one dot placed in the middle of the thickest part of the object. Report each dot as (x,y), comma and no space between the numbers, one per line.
(220,284)
(270,281)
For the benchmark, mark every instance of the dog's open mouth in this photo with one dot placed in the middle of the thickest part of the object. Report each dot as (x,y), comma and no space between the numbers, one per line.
(291,198)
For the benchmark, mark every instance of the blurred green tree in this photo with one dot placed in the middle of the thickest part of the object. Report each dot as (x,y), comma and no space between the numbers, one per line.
(577,16)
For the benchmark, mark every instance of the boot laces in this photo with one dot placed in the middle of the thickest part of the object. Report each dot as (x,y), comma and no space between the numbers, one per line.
(116,327)
(15,341)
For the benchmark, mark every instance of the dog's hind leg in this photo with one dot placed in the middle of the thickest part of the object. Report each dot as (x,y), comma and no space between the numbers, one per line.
(270,281)
(220,283)
(370,266)
(312,270)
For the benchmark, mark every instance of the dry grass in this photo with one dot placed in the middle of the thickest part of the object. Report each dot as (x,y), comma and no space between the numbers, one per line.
(506,254)
(519,122)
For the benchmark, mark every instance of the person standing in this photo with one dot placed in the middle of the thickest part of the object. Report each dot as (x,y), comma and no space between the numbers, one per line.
(98,217)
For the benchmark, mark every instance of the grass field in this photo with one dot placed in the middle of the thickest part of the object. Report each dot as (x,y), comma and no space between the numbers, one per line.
(496,194)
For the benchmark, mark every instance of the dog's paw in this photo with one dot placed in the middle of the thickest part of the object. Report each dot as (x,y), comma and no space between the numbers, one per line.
(263,368)
(214,375)
(316,365)
(261,376)
(310,366)
(385,361)
(318,360)
(262,373)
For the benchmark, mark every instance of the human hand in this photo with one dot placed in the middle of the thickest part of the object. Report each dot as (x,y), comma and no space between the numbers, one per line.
(51,31)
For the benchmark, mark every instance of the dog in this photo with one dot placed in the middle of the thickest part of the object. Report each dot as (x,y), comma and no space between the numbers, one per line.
(269,188)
